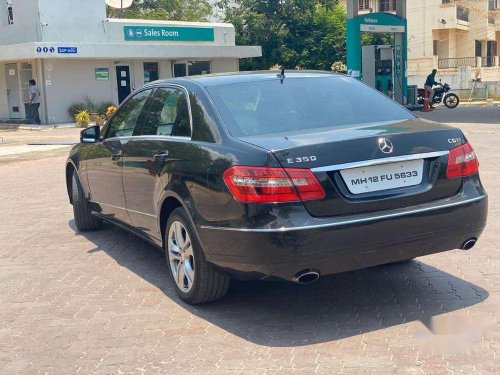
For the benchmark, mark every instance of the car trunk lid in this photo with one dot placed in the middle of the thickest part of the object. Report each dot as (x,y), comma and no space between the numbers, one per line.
(343,158)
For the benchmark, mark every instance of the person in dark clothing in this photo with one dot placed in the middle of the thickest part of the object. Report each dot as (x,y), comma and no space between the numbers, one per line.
(429,82)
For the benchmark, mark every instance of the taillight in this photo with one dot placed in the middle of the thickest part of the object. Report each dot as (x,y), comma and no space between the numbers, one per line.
(270,185)
(462,161)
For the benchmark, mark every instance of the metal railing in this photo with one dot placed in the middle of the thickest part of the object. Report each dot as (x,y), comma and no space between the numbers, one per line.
(462,13)
(487,61)
(458,62)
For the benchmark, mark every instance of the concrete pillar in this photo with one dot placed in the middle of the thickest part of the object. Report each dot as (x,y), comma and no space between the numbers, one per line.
(352,8)
(401,8)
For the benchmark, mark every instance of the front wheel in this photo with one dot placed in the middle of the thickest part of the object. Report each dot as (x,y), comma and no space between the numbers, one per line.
(451,101)
(196,281)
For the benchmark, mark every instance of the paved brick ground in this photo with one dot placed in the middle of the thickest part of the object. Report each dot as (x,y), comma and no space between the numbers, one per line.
(102,303)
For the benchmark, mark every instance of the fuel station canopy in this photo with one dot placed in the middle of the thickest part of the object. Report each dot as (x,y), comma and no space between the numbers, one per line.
(379,23)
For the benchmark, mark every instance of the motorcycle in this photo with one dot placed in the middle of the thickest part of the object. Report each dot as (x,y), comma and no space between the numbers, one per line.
(441,94)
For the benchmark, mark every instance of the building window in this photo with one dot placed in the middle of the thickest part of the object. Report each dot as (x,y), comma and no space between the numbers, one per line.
(492,4)
(387,5)
(364,4)
(191,68)
(479,48)
(199,67)
(462,13)
(435,47)
(150,72)
(10,13)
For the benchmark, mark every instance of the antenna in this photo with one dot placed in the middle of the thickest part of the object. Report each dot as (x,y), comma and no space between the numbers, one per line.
(119,4)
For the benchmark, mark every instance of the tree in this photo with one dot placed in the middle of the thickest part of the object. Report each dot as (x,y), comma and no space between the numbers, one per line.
(175,10)
(309,34)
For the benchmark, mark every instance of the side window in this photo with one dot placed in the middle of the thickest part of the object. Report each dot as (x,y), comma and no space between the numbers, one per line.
(168,114)
(125,120)
(204,126)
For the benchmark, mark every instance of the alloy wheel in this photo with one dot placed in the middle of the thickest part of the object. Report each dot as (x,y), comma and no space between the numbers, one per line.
(181,256)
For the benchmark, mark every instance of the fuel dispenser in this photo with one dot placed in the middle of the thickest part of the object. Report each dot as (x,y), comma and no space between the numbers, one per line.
(381,66)
(378,68)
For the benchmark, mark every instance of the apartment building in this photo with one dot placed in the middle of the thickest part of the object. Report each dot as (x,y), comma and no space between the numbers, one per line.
(459,37)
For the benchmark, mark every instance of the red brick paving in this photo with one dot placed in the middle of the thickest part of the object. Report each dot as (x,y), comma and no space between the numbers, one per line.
(101,302)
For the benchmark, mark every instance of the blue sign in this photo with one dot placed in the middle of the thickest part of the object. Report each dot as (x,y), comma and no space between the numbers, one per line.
(72,50)
(45,49)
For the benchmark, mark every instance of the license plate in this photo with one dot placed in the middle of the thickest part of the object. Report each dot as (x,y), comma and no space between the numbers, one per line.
(383,176)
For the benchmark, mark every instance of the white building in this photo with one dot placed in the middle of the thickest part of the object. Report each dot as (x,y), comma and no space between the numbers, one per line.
(72,50)
(460,38)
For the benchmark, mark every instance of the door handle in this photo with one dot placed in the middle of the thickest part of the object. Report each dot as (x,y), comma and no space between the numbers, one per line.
(116,156)
(160,156)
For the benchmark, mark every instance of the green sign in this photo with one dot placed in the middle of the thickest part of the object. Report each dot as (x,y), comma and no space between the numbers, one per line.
(101,74)
(175,33)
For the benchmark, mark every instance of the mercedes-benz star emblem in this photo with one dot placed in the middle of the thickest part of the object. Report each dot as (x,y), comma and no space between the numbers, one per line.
(385,145)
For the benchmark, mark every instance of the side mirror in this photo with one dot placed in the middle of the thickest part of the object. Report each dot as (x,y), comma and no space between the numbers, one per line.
(90,135)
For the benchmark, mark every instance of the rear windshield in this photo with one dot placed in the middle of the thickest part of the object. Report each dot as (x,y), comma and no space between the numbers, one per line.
(264,107)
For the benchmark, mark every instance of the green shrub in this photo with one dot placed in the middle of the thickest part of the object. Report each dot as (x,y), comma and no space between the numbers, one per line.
(82,118)
(102,109)
(90,105)
(75,108)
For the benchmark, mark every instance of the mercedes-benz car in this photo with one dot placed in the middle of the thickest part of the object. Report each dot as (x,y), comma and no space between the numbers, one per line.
(287,176)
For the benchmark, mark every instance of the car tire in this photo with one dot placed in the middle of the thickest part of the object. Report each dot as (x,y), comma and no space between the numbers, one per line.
(84,220)
(195,280)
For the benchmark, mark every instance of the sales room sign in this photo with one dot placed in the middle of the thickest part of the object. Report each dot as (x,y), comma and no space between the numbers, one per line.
(173,33)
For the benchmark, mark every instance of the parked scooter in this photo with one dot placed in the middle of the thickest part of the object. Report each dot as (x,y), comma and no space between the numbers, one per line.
(441,94)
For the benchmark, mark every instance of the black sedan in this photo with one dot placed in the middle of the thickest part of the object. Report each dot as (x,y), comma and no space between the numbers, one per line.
(283,176)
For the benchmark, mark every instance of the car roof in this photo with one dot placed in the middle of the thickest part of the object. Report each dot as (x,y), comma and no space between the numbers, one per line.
(240,77)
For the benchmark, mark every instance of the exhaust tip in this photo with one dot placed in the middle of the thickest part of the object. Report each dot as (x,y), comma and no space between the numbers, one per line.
(469,244)
(306,277)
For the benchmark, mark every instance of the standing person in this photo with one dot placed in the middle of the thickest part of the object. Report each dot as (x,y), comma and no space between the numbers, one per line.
(429,82)
(34,92)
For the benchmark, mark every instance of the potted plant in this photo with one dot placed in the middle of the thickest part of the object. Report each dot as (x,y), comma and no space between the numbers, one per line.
(82,118)
(109,112)
(90,106)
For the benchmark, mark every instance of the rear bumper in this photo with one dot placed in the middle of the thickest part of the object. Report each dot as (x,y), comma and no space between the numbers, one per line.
(344,244)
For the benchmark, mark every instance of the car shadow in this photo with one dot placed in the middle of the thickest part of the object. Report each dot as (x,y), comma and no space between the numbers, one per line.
(284,314)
